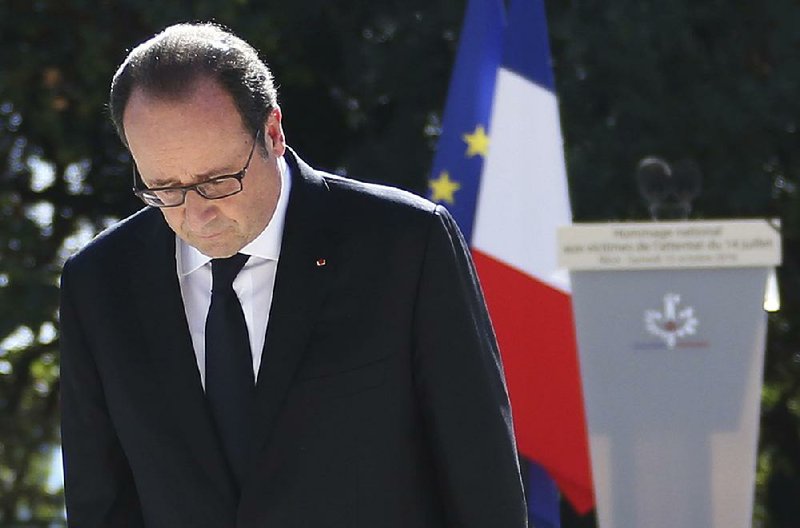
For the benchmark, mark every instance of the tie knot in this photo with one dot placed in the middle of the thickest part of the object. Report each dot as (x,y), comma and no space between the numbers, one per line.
(224,270)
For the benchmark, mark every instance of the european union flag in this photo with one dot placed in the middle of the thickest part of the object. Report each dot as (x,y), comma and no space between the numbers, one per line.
(464,142)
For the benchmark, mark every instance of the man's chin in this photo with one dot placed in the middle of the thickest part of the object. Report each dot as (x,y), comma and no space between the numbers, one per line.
(213,247)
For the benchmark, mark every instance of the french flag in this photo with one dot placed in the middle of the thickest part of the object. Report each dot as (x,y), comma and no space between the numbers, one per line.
(499,168)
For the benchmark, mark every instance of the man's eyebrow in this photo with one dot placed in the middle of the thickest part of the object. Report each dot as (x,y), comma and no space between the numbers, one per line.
(197,178)
(163,183)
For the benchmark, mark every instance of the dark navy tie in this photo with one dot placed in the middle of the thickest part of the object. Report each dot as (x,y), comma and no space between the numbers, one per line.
(230,383)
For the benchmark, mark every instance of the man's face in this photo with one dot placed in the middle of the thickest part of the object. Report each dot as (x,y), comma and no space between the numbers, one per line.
(186,141)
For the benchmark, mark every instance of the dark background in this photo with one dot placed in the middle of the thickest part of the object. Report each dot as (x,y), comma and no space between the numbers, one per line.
(362,87)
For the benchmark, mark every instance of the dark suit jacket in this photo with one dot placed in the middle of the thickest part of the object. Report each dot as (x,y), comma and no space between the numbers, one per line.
(381,399)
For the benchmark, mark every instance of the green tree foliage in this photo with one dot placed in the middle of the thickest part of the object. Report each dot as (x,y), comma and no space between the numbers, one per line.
(361,88)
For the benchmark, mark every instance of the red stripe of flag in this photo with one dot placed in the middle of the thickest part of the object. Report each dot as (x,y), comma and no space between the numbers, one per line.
(532,318)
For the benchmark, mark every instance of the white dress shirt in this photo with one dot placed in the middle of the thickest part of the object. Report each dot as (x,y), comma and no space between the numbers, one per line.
(253,285)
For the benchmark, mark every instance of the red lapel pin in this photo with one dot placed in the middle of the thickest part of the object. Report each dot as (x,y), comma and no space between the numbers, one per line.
(321,262)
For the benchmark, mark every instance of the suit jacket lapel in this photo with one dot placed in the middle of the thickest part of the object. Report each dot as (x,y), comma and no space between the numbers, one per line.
(160,306)
(305,265)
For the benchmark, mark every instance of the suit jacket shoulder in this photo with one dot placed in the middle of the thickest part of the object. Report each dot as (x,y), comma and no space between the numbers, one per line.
(115,244)
(352,202)
(379,196)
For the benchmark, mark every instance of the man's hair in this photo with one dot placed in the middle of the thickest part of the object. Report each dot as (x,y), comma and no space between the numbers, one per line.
(170,64)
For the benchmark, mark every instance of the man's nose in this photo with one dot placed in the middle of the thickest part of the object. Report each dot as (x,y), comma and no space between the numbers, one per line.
(199,211)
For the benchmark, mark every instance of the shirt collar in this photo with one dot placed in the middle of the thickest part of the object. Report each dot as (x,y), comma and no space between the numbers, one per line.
(267,245)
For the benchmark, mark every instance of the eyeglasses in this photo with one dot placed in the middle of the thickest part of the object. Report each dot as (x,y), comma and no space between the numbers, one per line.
(211,189)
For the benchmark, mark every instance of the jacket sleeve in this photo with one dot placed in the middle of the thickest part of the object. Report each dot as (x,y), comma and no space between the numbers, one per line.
(461,387)
(98,483)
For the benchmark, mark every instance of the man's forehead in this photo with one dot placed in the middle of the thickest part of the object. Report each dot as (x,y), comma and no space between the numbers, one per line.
(196,91)
(204,104)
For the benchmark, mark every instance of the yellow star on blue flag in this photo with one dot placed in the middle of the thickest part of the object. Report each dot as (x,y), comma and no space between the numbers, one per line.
(477,142)
(443,188)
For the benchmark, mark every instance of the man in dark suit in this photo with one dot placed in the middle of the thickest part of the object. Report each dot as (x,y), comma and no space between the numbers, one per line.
(267,345)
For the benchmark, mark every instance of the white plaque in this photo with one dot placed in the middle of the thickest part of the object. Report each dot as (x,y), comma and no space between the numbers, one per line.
(664,245)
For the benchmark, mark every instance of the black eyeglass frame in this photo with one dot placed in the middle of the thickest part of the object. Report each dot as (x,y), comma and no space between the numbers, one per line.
(197,187)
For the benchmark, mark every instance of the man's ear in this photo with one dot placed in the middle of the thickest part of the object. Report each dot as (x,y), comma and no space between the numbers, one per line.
(274,130)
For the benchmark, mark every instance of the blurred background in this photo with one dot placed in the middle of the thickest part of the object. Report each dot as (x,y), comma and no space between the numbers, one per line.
(362,86)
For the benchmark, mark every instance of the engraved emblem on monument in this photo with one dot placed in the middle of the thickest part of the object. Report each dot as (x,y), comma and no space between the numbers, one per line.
(673,322)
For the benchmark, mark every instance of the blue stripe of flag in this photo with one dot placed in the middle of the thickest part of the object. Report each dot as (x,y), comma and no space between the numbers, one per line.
(544,505)
(526,44)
